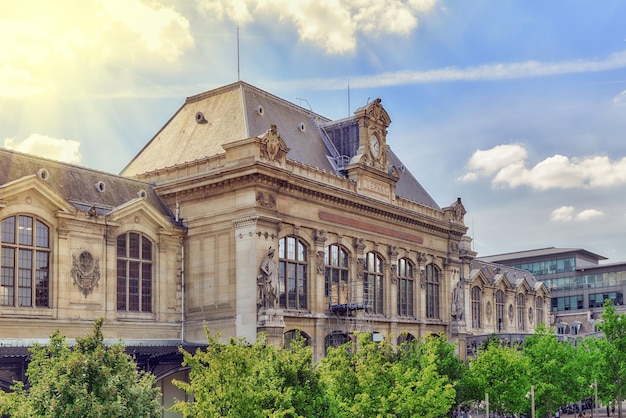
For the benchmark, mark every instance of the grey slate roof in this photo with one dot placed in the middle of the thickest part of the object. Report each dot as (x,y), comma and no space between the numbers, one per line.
(77,184)
(493,271)
(239,111)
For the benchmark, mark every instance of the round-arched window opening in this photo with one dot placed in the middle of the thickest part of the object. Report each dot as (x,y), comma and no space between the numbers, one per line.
(200,118)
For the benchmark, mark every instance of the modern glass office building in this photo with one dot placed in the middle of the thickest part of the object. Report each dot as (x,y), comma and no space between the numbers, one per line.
(574,276)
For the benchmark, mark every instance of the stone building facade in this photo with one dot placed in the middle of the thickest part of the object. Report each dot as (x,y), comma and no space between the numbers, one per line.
(245,213)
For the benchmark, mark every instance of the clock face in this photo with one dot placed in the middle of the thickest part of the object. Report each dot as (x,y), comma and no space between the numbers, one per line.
(375,146)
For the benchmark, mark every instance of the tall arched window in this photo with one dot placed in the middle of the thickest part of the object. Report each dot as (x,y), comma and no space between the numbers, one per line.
(25,262)
(335,339)
(539,310)
(336,275)
(500,310)
(373,283)
(134,273)
(476,311)
(292,273)
(521,307)
(406,280)
(432,291)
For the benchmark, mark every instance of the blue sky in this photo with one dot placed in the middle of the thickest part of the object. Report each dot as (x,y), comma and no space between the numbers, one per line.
(517,107)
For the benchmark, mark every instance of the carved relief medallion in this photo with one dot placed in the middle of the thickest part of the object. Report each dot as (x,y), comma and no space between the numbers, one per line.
(85,271)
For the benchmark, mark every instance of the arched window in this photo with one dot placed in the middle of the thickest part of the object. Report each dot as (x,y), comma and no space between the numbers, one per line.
(25,262)
(292,273)
(336,275)
(373,283)
(134,273)
(539,310)
(289,336)
(405,340)
(406,279)
(335,339)
(500,310)
(521,305)
(476,311)
(432,291)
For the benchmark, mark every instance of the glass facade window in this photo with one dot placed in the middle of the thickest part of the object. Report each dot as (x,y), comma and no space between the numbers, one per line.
(476,308)
(432,291)
(292,273)
(25,262)
(596,300)
(540,268)
(134,273)
(373,283)
(406,280)
(500,310)
(521,310)
(336,275)
(566,303)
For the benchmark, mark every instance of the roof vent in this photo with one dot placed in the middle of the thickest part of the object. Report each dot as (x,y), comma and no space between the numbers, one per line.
(101,186)
(43,174)
(301,127)
(142,194)
(200,118)
(260,110)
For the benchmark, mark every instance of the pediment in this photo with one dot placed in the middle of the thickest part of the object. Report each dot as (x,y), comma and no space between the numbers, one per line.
(34,190)
(139,209)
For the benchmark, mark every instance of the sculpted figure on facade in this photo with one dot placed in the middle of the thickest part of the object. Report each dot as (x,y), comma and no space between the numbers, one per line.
(267,282)
(458,301)
(459,211)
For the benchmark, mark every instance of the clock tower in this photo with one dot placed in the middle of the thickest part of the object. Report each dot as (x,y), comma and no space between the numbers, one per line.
(370,167)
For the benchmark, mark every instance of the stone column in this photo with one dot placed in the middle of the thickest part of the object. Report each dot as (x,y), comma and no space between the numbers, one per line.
(253,236)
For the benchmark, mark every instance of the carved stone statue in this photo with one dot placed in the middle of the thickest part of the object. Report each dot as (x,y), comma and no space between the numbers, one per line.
(267,282)
(458,301)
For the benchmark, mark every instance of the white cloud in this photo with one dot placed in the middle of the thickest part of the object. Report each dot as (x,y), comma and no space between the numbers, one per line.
(487,162)
(587,214)
(567,213)
(71,44)
(506,164)
(564,213)
(485,72)
(64,150)
(330,24)
(620,98)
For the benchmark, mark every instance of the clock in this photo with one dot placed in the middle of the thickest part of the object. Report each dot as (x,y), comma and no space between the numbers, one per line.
(375,146)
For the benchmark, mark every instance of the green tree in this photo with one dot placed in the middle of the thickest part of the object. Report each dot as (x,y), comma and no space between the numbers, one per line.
(614,354)
(501,371)
(88,380)
(371,379)
(553,370)
(239,379)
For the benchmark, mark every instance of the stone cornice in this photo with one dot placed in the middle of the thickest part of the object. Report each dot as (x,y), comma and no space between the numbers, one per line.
(306,182)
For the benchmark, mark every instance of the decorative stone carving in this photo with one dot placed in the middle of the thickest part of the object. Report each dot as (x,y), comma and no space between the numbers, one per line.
(458,301)
(273,145)
(85,271)
(359,244)
(319,263)
(266,200)
(394,274)
(320,237)
(267,282)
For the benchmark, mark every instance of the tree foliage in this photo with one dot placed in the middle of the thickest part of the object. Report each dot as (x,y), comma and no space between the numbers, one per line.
(553,370)
(501,371)
(613,351)
(238,379)
(87,380)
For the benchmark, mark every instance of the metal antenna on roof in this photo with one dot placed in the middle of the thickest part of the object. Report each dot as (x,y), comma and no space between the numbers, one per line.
(307,103)
(238,74)
(348,96)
